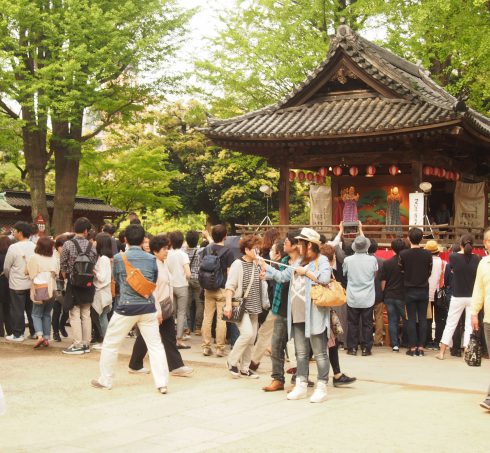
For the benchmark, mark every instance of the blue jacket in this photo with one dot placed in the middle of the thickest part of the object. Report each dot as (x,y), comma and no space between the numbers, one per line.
(317,319)
(130,302)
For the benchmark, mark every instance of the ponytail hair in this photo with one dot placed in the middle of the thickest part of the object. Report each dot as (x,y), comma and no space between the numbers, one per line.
(467,245)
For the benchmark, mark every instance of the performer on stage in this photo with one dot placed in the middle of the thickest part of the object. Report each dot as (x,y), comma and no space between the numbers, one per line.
(394,200)
(350,200)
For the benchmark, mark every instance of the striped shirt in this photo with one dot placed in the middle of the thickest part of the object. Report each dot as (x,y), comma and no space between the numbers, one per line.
(195,255)
(253,302)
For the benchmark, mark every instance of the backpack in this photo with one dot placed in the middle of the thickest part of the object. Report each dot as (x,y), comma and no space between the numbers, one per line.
(211,275)
(82,275)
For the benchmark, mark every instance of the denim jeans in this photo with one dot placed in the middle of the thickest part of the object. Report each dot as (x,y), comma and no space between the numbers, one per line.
(20,301)
(396,310)
(279,341)
(41,316)
(416,302)
(318,344)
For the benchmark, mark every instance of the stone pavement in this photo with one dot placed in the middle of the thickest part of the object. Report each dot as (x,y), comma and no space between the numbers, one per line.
(399,404)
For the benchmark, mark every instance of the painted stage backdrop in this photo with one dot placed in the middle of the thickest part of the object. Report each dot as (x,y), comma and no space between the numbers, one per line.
(373,203)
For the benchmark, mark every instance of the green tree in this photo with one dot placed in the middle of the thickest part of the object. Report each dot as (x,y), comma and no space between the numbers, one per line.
(73,63)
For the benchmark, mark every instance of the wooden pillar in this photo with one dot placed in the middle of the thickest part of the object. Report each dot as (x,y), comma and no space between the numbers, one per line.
(416,174)
(284,195)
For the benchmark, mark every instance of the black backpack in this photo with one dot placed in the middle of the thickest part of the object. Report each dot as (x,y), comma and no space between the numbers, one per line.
(82,275)
(211,275)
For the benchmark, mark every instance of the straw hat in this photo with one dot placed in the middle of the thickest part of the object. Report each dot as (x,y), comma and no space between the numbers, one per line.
(310,235)
(433,247)
(361,244)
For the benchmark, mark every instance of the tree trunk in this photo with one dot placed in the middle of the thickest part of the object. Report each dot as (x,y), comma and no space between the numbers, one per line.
(66,145)
(36,157)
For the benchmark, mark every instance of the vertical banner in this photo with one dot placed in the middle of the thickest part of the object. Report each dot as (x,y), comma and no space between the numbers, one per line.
(416,208)
(320,205)
(469,205)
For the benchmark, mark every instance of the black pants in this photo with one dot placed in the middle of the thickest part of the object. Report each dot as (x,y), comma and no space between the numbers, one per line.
(440,315)
(169,340)
(97,336)
(333,356)
(20,301)
(416,303)
(5,322)
(60,317)
(355,334)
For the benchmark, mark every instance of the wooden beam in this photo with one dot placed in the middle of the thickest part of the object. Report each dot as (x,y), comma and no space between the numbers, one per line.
(283,194)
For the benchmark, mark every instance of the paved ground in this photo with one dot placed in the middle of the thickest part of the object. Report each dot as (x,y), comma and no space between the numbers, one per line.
(399,404)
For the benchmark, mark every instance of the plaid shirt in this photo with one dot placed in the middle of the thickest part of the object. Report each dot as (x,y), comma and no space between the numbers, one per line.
(195,255)
(69,254)
(276,302)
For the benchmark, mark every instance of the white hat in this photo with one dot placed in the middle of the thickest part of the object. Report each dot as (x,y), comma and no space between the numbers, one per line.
(310,235)
(361,244)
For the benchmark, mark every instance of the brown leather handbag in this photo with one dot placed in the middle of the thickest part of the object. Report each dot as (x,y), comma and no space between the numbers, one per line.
(137,280)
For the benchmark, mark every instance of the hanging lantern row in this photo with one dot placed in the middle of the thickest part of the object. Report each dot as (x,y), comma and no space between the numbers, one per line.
(307,176)
(441,173)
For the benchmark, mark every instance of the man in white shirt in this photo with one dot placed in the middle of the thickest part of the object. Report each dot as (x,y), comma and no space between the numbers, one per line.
(179,267)
(19,283)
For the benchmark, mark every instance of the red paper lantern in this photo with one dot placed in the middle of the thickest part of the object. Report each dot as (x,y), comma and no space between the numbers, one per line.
(443,173)
(393,170)
(292,175)
(457,176)
(337,171)
(353,171)
(323,171)
(310,176)
(370,170)
(437,171)
(428,171)
(449,175)
(320,179)
(301,176)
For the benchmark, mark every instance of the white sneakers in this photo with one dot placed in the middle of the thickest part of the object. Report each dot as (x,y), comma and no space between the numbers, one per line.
(140,371)
(299,391)
(182,371)
(14,338)
(320,393)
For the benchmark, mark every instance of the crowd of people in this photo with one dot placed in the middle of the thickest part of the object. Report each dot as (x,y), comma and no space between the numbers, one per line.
(253,293)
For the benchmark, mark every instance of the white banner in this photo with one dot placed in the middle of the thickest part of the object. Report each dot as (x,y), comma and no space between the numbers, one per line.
(469,205)
(416,208)
(320,205)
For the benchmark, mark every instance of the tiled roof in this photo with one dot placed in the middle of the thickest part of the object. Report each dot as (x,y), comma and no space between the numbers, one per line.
(21,199)
(413,100)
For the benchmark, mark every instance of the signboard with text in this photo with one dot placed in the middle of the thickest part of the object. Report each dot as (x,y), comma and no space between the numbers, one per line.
(416,208)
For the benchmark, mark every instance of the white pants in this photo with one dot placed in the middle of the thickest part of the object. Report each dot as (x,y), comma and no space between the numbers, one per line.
(264,338)
(242,350)
(118,328)
(456,308)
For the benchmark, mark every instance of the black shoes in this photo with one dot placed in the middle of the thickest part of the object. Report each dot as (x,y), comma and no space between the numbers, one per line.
(411,353)
(366,352)
(352,351)
(343,380)
(63,332)
(56,337)
(420,353)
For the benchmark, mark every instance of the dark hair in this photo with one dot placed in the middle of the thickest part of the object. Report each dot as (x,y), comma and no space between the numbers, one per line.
(176,239)
(135,222)
(23,227)
(158,242)
(314,247)
(192,238)
(121,236)
(218,233)
(134,234)
(204,243)
(373,247)
(292,236)
(34,228)
(415,235)
(149,236)
(81,225)
(467,244)
(397,245)
(109,229)
(61,239)
(104,245)
(91,235)
(5,243)
(280,248)
(270,237)
(249,242)
(44,246)
(323,238)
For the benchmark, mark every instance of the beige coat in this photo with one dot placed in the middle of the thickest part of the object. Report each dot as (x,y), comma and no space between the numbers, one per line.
(37,264)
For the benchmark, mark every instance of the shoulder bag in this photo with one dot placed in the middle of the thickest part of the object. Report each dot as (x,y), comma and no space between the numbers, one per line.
(238,303)
(440,298)
(473,352)
(330,295)
(137,280)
